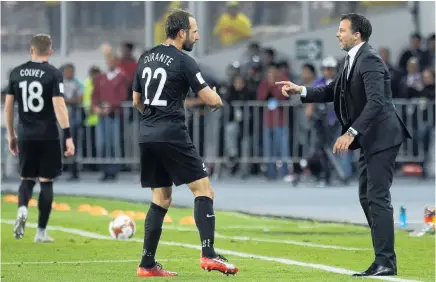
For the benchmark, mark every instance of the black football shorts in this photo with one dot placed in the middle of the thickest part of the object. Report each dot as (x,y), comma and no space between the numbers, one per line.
(163,164)
(40,158)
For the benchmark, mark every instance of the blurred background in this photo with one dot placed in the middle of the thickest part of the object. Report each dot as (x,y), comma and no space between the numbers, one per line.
(244,48)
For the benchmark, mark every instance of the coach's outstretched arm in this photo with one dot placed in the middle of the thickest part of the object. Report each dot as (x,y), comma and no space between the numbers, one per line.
(322,94)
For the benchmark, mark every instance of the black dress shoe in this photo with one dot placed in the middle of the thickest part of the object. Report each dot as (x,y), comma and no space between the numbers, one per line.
(377,270)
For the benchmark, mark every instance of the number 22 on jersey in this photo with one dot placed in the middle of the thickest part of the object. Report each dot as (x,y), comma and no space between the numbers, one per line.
(30,93)
(163,77)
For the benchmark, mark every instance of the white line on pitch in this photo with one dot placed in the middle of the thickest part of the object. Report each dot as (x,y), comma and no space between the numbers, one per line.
(71,262)
(221,251)
(278,241)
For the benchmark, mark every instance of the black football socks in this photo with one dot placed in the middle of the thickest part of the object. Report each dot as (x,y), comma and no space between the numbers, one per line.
(153,230)
(205,221)
(44,203)
(25,192)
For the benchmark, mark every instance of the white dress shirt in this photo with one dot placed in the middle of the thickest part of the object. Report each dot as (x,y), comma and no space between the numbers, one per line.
(352,53)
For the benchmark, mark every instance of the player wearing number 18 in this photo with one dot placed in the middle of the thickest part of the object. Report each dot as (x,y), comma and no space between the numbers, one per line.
(38,88)
(163,77)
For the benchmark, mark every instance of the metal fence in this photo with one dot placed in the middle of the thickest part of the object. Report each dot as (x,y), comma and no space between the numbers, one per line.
(85,25)
(246,130)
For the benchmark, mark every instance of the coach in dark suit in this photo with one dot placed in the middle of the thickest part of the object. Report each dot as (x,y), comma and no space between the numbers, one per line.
(362,98)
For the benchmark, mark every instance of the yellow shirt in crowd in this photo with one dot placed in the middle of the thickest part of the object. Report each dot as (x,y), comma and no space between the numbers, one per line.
(232,30)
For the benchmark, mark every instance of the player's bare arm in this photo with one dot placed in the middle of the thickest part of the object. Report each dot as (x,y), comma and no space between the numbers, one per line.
(61,112)
(210,97)
(9,119)
(191,102)
(139,105)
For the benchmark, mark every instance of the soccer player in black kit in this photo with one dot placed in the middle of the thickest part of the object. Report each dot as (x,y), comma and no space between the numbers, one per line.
(163,77)
(37,86)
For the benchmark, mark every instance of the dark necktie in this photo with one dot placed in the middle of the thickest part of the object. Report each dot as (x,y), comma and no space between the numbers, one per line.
(342,104)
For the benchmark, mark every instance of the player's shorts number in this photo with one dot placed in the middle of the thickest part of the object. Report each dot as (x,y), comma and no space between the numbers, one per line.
(163,77)
(30,93)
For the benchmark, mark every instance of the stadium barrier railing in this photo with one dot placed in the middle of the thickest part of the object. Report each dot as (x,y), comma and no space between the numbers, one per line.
(239,130)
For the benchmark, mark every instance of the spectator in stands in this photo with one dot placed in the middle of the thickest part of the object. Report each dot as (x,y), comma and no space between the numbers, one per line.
(428,58)
(385,54)
(73,92)
(286,70)
(301,122)
(254,77)
(252,57)
(275,132)
(428,77)
(268,56)
(413,51)
(127,63)
(411,84)
(91,121)
(233,26)
(428,115)
(110,90)
(237,117)
(326,127)
(159,26)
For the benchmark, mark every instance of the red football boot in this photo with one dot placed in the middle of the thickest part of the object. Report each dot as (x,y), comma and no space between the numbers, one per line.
(218,263)
(156,270)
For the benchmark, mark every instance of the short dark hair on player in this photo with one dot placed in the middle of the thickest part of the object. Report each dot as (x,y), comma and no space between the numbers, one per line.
(359,24)
(176,21)
(41,43)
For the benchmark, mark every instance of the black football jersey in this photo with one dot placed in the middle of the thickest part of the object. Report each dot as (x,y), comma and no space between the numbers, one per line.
(164,76)
(33,85)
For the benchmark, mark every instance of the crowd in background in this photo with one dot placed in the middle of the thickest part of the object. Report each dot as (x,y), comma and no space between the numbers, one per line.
(101,125)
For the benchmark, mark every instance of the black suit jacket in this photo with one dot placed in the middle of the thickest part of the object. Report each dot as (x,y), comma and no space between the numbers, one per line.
(369,103)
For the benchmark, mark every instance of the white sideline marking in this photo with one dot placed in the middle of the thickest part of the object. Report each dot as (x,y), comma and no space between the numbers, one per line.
(290,242)
(327,268)
(287,242)
(70,262)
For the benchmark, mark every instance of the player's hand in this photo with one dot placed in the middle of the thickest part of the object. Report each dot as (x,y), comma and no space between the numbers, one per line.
(69,148)
(218,106)
(342,144)
(289,88)
(13,145)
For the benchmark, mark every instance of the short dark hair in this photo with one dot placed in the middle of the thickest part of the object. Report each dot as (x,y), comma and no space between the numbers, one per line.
(42,44)
(416,35)
(176,21)
(270,52)
(130,46)
(69,66)
(310,67)
(359,24)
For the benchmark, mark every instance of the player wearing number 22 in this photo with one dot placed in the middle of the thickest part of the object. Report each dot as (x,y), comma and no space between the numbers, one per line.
(37,86)
(163,77)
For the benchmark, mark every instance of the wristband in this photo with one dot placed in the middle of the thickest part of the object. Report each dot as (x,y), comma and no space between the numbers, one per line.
(67,133)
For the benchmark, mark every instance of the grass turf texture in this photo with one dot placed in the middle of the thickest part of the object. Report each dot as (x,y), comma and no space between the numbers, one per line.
(416,258)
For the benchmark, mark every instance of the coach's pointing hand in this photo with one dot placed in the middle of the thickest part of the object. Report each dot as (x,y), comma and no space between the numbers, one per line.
(289,88)
(69,150)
